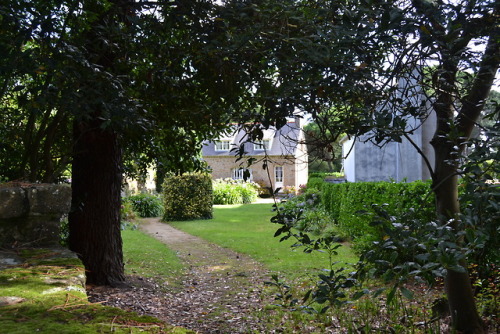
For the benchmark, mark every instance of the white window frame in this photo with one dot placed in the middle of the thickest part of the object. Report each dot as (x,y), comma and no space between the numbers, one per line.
(260,145)
(237,173)
(222,145)
(279,177)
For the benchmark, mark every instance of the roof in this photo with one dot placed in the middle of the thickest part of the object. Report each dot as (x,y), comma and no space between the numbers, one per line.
(283,142)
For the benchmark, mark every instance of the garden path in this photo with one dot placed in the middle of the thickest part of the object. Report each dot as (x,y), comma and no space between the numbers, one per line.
(220,292)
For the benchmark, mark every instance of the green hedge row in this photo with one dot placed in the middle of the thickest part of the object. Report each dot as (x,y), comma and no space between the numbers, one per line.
(188,196)
(346,202)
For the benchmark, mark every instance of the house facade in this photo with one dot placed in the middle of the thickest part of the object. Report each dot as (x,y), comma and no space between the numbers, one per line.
(280,157)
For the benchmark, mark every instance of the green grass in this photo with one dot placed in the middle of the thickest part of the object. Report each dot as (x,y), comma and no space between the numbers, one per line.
(145,256)
(54,301)
(247,229)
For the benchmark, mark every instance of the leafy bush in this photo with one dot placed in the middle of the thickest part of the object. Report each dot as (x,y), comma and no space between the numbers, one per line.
(127,212)
(315,182)
(188,196)
(146,205)
(229,191)
(310,216)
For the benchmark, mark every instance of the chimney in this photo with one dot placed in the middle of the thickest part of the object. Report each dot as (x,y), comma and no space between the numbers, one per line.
(298,122)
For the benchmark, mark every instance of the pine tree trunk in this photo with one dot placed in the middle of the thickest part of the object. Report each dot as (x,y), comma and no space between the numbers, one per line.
(94,220)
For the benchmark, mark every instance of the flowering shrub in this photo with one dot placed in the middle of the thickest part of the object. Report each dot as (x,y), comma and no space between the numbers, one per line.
(289,190)
(229,191)
(127,212)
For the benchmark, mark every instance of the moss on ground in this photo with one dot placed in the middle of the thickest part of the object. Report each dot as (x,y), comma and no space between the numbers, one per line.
(45,294)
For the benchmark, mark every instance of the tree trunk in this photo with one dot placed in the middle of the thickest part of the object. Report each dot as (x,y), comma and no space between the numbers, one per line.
(94,220)
(458,287)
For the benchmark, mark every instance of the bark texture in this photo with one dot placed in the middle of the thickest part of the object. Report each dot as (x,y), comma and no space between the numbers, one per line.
(94,220)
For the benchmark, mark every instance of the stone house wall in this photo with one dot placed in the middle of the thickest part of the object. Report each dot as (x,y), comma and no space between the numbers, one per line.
(222,166)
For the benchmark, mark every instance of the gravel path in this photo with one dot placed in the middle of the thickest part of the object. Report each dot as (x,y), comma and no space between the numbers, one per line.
(221,290)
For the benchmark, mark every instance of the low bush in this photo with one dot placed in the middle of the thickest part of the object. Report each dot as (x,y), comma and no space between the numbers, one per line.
(188,196)
(315,182)
(310,216)
(146,205)
(229,191)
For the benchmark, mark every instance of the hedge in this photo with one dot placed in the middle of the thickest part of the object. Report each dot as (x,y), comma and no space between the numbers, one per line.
(188,196)
(347,203)
(315,182)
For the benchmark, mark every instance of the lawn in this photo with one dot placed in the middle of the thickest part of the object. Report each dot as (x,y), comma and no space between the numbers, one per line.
(247,229)
(145,256)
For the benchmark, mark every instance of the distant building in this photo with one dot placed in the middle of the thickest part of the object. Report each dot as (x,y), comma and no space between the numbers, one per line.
(284,148)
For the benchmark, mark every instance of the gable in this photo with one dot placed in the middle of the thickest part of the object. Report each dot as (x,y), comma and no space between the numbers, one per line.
(282,142)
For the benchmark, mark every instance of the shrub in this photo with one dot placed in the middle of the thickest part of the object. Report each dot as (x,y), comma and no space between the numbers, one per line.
(146,205)
(229,191)
(315,182)
(310,214)
(188,196)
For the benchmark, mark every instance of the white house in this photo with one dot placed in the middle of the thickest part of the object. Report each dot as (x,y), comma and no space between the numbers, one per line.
(365,161)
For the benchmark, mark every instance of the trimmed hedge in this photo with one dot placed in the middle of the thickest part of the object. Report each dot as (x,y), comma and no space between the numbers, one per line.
(347,203)
(188,196)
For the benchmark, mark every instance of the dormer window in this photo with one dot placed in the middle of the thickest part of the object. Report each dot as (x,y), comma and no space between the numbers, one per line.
(261,145)
(222,145)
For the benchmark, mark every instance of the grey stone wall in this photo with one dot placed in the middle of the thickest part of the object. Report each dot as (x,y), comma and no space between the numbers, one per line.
(30,216)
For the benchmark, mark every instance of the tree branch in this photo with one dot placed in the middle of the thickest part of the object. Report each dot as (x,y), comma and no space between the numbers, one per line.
(473,103)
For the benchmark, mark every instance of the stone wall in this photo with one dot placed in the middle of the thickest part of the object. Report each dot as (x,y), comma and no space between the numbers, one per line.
(30,215)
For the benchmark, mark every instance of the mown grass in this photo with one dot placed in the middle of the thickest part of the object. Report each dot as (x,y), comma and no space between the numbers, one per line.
(146,256)
(247,229)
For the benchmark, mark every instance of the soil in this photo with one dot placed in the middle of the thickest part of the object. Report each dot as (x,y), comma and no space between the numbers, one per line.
(221,292)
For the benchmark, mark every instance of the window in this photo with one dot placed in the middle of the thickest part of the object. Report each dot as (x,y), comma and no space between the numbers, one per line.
(262,144)
(222,145)
(278,174)
(239,173)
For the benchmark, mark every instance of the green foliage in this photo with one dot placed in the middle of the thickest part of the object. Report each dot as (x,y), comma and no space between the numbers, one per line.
(146,205)
(350,206)
(310,215)
(127,212)
(188,196)
(329,175)
(229,191)
(315,182)
(480,198)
